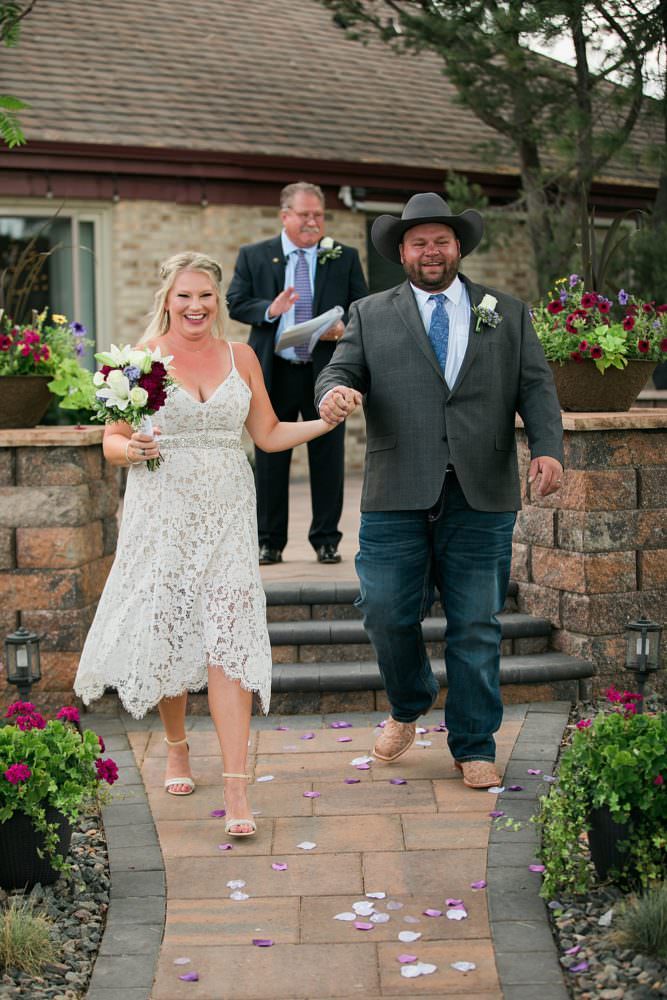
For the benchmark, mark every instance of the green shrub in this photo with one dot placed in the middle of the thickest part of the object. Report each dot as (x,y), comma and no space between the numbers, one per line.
(642,923)
(25,937)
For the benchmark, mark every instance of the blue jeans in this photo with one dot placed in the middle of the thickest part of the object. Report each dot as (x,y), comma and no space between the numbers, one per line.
(402,555)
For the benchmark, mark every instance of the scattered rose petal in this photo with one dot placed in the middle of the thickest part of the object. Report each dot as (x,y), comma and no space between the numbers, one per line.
(382,724)
(279,866)
(549,778)
(361,760)
(352,781)
(361,925)
(534,770)
(341,725)
(394,904)
(496,789)
(190,977)
(463,966)
(307,736)
(418,969)
(282,729)
(420,729)
(536,868)
(554,905)
(218,813)
(454,902)
(376,895)
(573,950)
(423,743)
(182,961)
(515,788)
(408,936)
(496,813)
(306,845)
(225,847)
(481,884)
(406,958)
(457,913)
(238,895)
(363,908)
(398,781)
(380,918)
(579,967)
(236,883)
(409,971)
(262,942)
(605,919)
(363,767)
(343,739)
(290,747)
(411,920)
(265,777)
(311,795)
(345,916)
(432,913)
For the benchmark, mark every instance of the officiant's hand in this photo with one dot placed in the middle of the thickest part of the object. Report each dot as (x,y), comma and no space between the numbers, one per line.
(335,332)
(339,403)
(283,302)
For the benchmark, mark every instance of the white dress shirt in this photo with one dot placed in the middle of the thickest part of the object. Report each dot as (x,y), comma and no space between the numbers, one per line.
(457,305)
(287,319)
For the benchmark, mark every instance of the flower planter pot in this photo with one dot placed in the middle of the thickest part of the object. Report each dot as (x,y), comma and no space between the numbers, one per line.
(20,865)
(581,387)
(604,839)
(24,399)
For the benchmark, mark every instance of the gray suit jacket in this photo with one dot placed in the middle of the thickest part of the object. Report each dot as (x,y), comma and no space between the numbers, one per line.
(416,424)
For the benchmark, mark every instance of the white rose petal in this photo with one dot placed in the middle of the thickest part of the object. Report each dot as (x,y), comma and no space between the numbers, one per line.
(380,918)
(326,243)
(363,909)
(376,895)
(463,966)
(458,913)
(306,845)
(345,916)
(408,936)
(488,302)
(138,396)
(361,760)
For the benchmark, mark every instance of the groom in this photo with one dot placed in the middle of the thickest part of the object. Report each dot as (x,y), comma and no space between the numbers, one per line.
(444,365)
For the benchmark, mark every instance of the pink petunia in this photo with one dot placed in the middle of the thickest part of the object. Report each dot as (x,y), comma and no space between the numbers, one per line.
(17,774)
(583,723)
(658,780)
(68,713)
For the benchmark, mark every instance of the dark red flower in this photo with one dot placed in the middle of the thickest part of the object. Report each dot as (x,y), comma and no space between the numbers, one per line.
(596,352)
(576,356)
(629,323)
(589,299)
(5,342)
(643,346)
(555,306)
(632,309)
(604,306)
(107,770)
(661,309)
(663,345)
(101,743)
(105,369)
(647,307)
(583,346)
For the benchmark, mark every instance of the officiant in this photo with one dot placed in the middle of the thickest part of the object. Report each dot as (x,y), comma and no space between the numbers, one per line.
(277,283)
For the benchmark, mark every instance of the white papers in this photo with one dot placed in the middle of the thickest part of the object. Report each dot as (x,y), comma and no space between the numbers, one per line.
(310,331)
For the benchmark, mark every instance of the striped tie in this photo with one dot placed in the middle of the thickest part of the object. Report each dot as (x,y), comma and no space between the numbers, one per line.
(438,331)
(303,307)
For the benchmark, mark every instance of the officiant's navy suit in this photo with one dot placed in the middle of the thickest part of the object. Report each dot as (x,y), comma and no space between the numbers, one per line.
(259,276)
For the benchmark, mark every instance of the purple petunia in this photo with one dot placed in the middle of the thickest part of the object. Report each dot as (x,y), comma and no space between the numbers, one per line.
(78,329)
(573,280)
(17,774)
(623,297)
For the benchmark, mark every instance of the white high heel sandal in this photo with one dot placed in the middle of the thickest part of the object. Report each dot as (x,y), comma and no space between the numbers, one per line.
(237,822)
(171,782)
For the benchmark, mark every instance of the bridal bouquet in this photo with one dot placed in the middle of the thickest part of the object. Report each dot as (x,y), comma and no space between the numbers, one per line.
(131,386)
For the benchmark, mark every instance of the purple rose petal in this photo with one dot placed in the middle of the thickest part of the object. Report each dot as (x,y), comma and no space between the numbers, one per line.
(515,788)
(225,847)
(573,950)
(536,868)
(307,736)
(282,729)
(190,977)
(398,781)
(534,770)
(311,795)
(262,942)
(363,767)
(278,867)
(352,781)
(432,913)
(580,967)
(341,725)
(406,958)
(496,813)
(343,739)
(363,926)
(218,813)
(454,902)
(481,884)
(550,778)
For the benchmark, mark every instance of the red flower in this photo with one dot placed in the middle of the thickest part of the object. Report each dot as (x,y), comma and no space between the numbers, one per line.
(604,306)
(589,299)
(5,342)
(663,345)
(45,352)
(153,383)
(576,356)
(17,774)
(583,723)
(32,721)
(661,309)
(68,713)
(658,780)
(643,346)
(107,770)
(596,352)
(583,346)
(101,743)
(629,323)
(18,707)
(647,307)
(26,350)
(555,306)
(632,309)
(105,369)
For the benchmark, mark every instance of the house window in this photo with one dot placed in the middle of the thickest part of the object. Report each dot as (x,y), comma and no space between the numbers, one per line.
(63,272)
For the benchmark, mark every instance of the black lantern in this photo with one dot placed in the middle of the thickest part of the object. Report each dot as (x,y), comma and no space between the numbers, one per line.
(22,660)
(642,650)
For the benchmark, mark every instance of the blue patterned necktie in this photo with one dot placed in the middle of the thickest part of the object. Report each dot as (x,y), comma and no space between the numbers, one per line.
(303,307)
(438,331)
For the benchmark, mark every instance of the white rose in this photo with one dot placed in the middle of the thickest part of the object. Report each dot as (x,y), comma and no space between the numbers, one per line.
(488,302)
(98,379)
(326,243)
(138,396)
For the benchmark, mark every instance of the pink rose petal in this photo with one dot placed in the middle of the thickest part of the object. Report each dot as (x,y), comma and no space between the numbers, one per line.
(343,739)
(406,958)
(341,725)
(363,926)
(454,902)
(573,950)
(398,781)
(190,977)
(311,795)
(432,913)
(278,867)
(481,884)
(218,813)
(225,847)
(282,729)
(352,781)
(534,770)
(515,788)
(262,942)
(363,767)
(536,868)
(496,813)
(580,967)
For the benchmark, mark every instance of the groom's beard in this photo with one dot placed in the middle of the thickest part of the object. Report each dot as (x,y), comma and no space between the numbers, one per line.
(435,278)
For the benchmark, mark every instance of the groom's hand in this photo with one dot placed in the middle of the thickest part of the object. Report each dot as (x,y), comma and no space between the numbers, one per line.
(338,403)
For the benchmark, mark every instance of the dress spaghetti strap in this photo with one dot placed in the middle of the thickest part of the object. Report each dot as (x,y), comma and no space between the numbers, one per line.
(231,352)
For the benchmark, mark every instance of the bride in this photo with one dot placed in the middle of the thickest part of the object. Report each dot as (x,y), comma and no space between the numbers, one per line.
(183,607)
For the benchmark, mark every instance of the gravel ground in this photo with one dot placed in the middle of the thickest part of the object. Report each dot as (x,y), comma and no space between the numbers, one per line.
(77,905)
(582,926)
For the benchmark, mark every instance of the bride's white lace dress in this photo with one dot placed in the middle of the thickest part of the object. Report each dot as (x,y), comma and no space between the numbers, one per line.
(184,590)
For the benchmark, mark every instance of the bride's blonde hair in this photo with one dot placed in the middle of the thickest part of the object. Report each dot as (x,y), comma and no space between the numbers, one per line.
(189,260)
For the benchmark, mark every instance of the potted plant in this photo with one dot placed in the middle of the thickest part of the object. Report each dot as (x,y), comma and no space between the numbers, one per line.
(612,787)
(49,771)
(37,359)
(601,352)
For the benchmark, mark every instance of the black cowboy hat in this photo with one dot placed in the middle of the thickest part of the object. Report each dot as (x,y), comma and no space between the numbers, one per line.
(387,231)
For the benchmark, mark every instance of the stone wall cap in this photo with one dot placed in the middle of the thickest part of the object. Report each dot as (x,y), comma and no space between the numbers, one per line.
(49,437)
(640,419)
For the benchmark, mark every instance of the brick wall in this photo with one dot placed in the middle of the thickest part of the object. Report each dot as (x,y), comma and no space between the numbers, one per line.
(58,528)
(594,555)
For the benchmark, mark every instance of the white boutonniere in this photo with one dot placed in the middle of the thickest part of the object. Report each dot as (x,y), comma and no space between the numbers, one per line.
(486,313)
(328,250)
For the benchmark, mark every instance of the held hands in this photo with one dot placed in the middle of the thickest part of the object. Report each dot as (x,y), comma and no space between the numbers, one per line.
(142,447)
(283,302)
(547,473)
(339,403)
(335,332)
